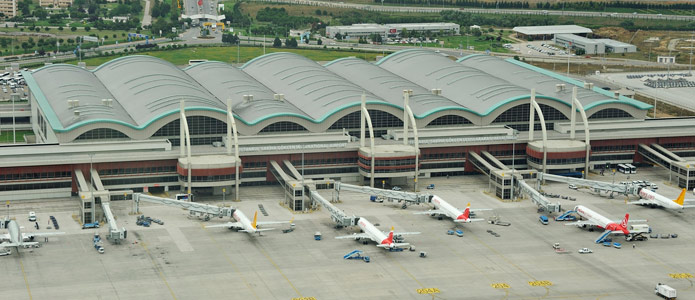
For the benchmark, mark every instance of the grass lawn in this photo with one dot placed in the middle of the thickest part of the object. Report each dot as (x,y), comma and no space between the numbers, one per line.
(229,54)
(477,42)
(6,135)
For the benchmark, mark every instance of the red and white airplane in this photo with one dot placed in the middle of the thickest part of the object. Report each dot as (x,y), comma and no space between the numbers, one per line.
(653,199)
(376,235)
(243,223)
(593,218)
(444,208)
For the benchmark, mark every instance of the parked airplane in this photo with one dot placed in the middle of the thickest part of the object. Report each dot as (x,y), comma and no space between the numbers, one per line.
(592,218)
(444,208)
(243,223)
(17,239)
(653,199)
(376,235)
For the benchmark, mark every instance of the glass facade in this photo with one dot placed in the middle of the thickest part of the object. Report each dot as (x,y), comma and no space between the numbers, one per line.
(380,119)
(102,134)
(610,113)
(283,126)
(449,120)
(520,113)
(203,130)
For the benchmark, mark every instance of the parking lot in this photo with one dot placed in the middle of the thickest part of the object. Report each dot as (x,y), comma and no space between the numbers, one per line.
(182,260)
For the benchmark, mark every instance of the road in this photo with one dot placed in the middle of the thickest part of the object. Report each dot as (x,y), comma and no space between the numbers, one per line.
(411,9)
(147,17)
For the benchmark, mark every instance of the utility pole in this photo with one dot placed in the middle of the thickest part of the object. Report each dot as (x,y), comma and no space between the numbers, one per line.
(690,67)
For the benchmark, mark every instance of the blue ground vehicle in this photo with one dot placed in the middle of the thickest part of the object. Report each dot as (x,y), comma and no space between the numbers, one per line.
(543,219)
(90,225)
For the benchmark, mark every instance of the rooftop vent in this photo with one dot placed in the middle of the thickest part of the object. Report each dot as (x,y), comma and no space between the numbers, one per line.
(559,87)
(248,98)
(616,94)
(107,102)
(279,97)
(73,103)
(437,92)
(77,113)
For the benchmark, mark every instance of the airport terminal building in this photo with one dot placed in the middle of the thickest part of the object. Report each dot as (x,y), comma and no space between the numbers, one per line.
(120,125)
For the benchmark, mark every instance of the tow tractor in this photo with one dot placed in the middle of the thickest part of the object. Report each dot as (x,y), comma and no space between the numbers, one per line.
(356,254)
(98,245)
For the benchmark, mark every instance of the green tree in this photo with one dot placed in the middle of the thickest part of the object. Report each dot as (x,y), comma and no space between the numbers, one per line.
(277,43)
(338,36)
(73,28)
(319,42)
(87,28)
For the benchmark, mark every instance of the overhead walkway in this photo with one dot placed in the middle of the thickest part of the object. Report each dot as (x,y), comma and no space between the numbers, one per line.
(408,197)
(338,216)
(93,194)
(681,169)
(292,169)
(667,152)
(494,160)
(541,201)
(194,207)
(115,234)
(294,189)
(593,184)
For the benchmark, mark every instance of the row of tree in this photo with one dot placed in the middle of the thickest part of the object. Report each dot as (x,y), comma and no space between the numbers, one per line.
(556,5)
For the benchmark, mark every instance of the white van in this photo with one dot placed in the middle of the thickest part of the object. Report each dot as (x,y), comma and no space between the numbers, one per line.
(32,216)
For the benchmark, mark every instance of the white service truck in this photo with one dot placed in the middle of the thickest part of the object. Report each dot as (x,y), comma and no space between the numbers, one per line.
(665,291)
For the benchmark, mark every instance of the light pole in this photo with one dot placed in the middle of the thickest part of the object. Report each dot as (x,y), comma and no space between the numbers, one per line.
(516,134)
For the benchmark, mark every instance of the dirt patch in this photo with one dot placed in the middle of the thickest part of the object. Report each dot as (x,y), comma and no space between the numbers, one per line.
(615,33)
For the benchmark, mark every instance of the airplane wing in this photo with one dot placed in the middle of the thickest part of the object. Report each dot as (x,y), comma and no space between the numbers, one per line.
(690,203)
(355,236)
(644,202)
(229,225)
(477,209)
(429,212)
(258,229)
(582,223)
(5,237)
(271,222)
(395,245)
(403,233)
(477,220)
(40,234)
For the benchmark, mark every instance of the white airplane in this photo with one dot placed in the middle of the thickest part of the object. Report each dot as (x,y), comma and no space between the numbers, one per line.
(376,235)
(243,223)
(595,219)
(653,199)
(17,239)
(444,208)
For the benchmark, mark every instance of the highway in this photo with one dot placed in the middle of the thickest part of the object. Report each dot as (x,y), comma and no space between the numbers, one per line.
(415,9)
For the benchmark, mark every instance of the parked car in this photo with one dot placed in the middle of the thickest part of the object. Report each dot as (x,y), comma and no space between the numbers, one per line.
(585,251)
(572,186)
(396,188)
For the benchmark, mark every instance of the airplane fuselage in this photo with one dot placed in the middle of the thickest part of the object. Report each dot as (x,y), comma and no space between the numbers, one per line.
(448,209)
(661,200)
(368,228)
(244,221)
(592,216)
(15,233)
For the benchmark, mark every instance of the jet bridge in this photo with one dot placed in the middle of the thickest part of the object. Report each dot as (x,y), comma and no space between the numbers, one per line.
(337,215)
(408,197)
(206,209)
(595,185)
(115,234)
(540,200)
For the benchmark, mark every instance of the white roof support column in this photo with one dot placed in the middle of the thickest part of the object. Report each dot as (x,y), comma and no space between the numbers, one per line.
(587,138)
(532,116)
(363,107)
(186,141)
(573,113)
(365,113)
(536,107)
(231,129)
(417,144)
(406,101)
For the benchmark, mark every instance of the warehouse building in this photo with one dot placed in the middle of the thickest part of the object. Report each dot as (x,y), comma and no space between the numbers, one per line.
(593,46)
(547,32)
(357,31)
(121,124)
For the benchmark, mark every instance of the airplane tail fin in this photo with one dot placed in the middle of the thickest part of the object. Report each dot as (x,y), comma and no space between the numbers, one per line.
(255,217)
(388,240)
(466,213)
(681,198)
(623,224)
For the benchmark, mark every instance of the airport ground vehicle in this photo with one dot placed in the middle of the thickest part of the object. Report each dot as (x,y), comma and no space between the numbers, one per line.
(32,216)
(572,186)
(431,186)
(585,251)
(317,236)
(543,220)
(665,291)
(617,245)
(90,225)
(459,233)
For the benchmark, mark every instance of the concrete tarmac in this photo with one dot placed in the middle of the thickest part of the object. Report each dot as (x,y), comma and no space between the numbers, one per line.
(183,260)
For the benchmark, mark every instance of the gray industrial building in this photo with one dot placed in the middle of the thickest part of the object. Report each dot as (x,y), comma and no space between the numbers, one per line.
(593,46)
(357,31)
(547,32)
